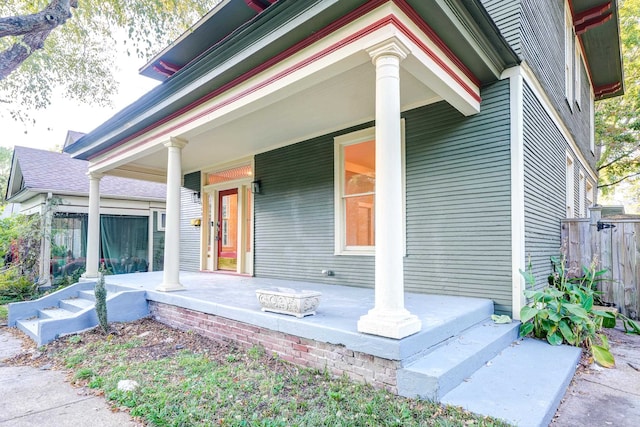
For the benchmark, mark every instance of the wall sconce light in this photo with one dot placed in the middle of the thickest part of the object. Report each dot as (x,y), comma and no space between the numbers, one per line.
(195,197)
(196,222)
(255,187)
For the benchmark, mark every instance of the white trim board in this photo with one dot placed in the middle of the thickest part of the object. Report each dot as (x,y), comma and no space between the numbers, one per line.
(535,86)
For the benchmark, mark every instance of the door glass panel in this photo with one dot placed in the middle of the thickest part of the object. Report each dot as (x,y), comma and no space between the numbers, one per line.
(228,230)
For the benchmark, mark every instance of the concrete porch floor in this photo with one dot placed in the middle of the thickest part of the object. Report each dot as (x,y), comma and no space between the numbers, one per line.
(234,297)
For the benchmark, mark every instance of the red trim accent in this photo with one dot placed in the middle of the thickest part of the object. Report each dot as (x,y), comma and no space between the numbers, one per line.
(593,22)
(413,15)
(334,26)
(606,89)
(255,5)
(160,70)
(169,66)
(591,13)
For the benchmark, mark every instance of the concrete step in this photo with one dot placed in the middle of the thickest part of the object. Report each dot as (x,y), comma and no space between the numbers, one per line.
(54,313)
(447,365)
(523,385)
(76,304)
(29,326)
(87,294)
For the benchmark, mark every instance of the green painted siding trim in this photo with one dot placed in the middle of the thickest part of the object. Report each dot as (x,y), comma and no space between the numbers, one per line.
(458,206)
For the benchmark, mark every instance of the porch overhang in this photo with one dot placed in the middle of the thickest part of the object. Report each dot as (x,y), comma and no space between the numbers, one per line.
(234,104)
(597,25)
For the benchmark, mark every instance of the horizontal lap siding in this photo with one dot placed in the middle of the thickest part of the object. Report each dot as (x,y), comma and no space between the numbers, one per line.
(543,49)
(506,15)
(458,200)
(294,220)
(189,235)
(545,186)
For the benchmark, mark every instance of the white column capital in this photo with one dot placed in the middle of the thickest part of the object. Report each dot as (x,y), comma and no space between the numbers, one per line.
(95,175)
(176,142)
(390,47)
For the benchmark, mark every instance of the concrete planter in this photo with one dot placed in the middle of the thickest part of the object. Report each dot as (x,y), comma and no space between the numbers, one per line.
(289,301)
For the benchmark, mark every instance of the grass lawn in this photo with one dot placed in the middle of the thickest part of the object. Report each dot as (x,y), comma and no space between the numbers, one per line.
(187,380)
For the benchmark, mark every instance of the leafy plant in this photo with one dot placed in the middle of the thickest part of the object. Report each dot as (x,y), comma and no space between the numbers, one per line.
(101,303)
(562,312)
(15,286)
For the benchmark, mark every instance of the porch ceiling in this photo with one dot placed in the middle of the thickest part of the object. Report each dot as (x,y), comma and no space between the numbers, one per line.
(330,105)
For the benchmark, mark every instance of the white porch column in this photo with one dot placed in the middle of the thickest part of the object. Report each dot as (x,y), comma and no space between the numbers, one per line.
(171,274)
(45,244)
(93,232)
(389,318)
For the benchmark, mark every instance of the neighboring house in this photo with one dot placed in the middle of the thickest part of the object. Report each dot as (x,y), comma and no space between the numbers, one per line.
(419,145)
(56,186)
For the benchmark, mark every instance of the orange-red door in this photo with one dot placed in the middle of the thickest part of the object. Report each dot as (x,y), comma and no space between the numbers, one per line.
(227,229)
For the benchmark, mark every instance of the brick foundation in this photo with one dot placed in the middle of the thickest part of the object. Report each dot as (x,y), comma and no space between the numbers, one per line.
(337,359)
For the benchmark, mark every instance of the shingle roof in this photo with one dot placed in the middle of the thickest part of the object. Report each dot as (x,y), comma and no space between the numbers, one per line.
(59,173)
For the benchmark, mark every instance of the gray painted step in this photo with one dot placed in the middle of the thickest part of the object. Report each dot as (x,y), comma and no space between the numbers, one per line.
(29,327)
(522,385)
(87,294)
(438,372)
(54,313)
(76,304)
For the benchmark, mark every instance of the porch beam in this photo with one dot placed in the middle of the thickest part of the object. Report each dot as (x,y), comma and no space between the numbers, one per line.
(389,318)
(171,274)
(93,232)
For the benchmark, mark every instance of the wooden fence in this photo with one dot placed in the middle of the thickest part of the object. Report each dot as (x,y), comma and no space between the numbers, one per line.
(615,244)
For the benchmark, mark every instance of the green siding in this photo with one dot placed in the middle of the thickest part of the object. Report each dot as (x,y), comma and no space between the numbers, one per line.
(458,206)
(506,16)
(294,226)
(543,49)
(458,200)
(544,185)
(189,235)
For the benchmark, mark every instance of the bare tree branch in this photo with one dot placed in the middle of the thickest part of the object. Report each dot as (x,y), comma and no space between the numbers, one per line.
(620,157)
(34,29)
(618,181)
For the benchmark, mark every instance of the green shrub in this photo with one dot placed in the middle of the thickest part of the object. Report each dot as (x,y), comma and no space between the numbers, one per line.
(16,287)
(562,312)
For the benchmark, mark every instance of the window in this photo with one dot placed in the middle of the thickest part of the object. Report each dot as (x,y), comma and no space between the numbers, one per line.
(355,190)
(582,189)
(589,196)
(570,187)
(592,127)
(568,54)
(578,75)
(162,220)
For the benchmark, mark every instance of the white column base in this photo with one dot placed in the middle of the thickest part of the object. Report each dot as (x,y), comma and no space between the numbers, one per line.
(86,278)
(170,287)
(390,324)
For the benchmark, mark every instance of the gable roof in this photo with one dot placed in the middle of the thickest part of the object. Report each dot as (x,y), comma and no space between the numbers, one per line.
(36,171)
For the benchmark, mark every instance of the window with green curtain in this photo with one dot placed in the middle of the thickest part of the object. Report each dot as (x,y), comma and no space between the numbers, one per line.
(124,242)
(68,243)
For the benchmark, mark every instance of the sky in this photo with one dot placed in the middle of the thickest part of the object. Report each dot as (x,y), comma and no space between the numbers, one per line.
(51,125)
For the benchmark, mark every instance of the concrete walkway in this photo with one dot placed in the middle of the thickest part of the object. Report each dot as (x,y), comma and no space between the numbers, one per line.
(606,397)
(40,397)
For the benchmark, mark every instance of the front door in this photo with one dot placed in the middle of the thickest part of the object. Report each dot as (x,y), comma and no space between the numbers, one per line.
(227,229)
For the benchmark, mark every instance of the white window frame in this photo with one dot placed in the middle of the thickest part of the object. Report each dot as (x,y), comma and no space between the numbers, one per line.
(592,125)
(577,92)
(161,214)
(589,196)
(582,188)
(568,54)
(340,142)
(570,187)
